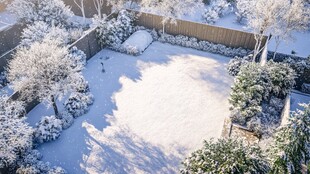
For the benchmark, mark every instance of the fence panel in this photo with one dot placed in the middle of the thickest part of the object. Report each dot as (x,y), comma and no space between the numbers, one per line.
(10,38)
(218,35)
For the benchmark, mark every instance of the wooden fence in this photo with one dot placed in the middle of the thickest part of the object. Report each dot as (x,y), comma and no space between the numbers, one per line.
(10,37)
(214,34)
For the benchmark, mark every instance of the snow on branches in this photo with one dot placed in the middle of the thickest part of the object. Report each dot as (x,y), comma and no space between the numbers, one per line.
(51,76)
(48,129)
(216,10)
(16,135)
(53,12)
(170,10)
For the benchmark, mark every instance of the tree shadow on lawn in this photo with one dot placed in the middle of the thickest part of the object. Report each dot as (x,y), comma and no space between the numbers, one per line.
(68,150)
(127,153)
(117,150)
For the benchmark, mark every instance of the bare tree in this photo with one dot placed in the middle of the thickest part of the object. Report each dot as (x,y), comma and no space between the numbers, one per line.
(80,4)
(98,5)
(262,19)
(170,10)
(295,18)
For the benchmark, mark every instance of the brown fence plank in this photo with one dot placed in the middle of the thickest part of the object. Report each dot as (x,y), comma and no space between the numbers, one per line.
(217,35)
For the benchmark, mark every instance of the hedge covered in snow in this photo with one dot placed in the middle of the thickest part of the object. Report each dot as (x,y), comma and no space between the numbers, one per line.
(226,156)
(112,33)
(215,10)
(78,103)
(31,164)
(191,42)
(137,43)
(48,129)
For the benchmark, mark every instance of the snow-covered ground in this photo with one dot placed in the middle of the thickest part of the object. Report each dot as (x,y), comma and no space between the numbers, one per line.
(6,19)
(298,98)
(150,111)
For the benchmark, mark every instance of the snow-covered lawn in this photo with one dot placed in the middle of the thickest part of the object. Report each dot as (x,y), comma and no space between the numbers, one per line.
(149,112)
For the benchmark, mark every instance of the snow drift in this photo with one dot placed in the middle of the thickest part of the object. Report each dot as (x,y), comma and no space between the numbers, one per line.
(137,42)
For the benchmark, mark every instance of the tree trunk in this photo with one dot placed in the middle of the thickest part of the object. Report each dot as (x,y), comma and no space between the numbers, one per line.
(277,46)
(55,107)
(163,28)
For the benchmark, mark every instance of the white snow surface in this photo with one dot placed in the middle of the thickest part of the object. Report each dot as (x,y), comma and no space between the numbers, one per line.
(140,40)
(149,113)
(7,19)
(298,98)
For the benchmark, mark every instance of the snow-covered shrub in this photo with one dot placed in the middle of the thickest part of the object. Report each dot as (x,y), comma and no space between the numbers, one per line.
(66,120)
(302,68)
(216,10)
(40,30)
(131,50)
(27,170)
(78,58)
(252,86)
(235,64)
(53,12)
(269,119)
(290,148)
(137,42)
(282,77)
(192,42)
(31,158)
(81,85)
(258,93)
(78,103)
(16,135)
(31,164)
(115,31)
(226,156)
(48,129)
(75,33)
(45,168)
(242,9)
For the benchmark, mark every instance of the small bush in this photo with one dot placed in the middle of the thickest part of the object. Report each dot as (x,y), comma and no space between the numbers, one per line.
(31,164)
(216,10)
(225,156)
(78,58)
(290,147)
(236,63)
(66,120)
(48,129)
(78,103)
(115,31)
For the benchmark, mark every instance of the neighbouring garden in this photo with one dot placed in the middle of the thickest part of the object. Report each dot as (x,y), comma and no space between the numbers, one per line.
(151,102)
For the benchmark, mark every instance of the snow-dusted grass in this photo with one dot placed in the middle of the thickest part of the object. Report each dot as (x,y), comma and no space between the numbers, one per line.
(149,113)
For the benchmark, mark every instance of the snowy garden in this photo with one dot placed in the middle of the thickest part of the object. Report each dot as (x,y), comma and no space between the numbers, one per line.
(111,96)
